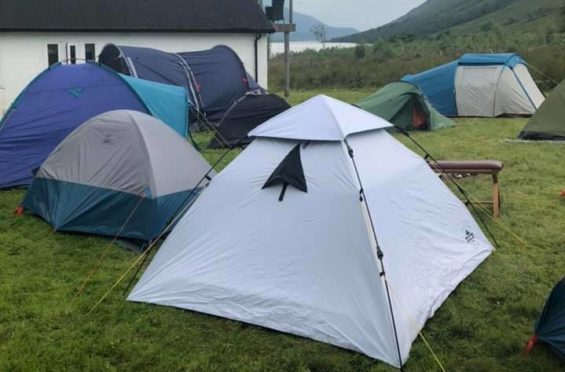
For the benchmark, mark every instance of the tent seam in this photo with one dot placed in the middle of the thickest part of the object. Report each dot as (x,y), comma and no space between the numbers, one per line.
(152,183)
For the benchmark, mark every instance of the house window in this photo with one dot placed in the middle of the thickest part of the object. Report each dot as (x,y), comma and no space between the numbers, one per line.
(90,52)
(52,54)
(73,54)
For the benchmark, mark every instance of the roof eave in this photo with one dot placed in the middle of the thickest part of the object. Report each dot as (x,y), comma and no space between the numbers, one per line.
(199,31)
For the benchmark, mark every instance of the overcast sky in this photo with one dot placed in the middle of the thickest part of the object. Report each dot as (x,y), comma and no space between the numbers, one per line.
(361,14)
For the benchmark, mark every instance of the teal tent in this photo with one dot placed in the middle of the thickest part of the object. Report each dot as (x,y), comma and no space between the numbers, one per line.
(168,103)
(122,173)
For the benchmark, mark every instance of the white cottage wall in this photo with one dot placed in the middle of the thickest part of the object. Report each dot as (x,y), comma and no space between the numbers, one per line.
(23,55)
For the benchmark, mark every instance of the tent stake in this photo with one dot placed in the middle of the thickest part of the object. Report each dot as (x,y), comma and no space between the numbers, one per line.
(135,274)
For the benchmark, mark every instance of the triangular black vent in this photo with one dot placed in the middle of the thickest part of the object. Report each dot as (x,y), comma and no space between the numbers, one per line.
(289,172)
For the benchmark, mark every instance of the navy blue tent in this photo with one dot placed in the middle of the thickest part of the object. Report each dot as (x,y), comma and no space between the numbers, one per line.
(64,96)
(246,114)
(215,78)
(550,328)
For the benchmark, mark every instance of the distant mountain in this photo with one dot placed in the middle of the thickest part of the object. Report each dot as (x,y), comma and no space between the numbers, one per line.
(463,17)
(304,24)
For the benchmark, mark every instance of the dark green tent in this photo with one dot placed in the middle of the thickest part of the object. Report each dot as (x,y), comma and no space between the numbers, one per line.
(405,106)
(550,328)
(549,122)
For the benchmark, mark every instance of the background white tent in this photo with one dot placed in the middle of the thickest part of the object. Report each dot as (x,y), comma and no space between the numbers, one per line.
(496,90)
(481,85)
(308,264)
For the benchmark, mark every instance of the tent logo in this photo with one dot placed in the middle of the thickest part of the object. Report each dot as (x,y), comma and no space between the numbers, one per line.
(76,92)
(107,139)
(470,237)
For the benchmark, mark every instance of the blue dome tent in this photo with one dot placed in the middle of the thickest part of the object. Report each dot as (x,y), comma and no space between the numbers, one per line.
(483,85)
(122,173)
(64,96)
(215,78)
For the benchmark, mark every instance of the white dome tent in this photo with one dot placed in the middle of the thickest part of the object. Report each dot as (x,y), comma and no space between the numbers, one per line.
(285,237)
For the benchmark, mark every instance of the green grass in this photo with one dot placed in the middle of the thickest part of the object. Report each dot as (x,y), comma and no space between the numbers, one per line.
(481,327)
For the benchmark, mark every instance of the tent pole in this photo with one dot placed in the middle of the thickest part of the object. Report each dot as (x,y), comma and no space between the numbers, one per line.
(524,89)
(257,38)
(286,64)
(291,11)
(287,50)
(380,254)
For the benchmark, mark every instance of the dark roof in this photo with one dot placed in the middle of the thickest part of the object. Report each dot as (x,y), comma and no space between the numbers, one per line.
(244,16)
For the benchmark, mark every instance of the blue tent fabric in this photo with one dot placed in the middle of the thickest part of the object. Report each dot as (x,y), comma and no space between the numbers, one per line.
(166,102)
(550,328)
(438,84)
(214,78)
(102,211)
(60,99)
(146,63)
(507,59)
(220,76)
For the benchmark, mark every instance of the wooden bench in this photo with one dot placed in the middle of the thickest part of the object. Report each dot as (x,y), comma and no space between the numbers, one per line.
(474,167)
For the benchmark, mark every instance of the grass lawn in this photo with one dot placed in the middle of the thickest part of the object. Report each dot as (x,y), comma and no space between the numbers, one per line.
(483,326)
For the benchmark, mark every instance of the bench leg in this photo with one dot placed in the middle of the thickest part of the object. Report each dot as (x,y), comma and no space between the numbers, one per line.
(495,196)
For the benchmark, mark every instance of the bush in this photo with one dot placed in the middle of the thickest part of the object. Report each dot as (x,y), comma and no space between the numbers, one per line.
(563,19)
(487,26)
(360,51)
(382,51)
(386,61)
(549,35)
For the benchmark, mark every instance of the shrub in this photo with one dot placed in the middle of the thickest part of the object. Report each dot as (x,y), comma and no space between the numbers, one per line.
(487,26)
(360,51)
(386,61)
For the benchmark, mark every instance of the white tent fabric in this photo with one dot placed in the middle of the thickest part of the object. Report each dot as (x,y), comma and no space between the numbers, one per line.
(328,120)
(430,240)
(530,86)
(127,151)
(494,90)
(511,96)
(307,265)
(475,89)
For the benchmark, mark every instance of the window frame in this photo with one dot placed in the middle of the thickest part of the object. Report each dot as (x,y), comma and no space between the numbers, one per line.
(52,53)
(87,47)
(72,57)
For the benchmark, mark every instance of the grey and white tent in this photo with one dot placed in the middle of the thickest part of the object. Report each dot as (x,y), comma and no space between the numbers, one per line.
(282,239)
(122,173)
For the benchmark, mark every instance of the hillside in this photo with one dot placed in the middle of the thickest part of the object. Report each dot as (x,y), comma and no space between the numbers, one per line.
(464,17)
(304,24)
